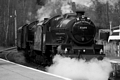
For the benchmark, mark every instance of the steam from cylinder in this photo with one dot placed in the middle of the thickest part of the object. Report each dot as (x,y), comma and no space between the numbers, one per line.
(80,69)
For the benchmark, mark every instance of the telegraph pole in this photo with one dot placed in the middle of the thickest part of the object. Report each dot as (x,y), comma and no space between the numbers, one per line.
(15,18)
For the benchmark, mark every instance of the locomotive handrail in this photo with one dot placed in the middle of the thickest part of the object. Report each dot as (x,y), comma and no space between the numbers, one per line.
(89,47)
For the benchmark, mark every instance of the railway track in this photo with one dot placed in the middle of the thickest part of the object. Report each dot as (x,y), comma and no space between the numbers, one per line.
(5,52)
(7,49)
(11,54)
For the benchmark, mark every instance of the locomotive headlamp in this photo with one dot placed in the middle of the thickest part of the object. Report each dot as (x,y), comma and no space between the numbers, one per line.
(84,50)
(83,38)
(77,19)
(88,18)
(101,51)
(83,16)
(66,50)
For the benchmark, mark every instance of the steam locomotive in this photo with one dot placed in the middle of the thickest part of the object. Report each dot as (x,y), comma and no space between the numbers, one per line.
(70,35)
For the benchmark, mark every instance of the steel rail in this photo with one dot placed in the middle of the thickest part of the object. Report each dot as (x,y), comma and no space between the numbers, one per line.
(8,49)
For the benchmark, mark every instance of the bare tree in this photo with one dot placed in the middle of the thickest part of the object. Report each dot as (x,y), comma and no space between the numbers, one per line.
(7,23)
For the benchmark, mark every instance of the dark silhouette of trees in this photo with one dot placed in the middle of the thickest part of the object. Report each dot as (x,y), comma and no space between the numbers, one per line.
(26,11)
(105,13)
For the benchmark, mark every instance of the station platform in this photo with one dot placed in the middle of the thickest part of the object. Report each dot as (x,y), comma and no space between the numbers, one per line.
(13,71)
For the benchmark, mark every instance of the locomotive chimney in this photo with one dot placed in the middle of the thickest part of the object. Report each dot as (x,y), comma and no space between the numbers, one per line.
(80,13)
(46,19)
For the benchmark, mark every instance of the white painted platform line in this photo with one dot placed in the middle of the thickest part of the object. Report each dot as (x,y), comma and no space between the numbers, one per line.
(37,70)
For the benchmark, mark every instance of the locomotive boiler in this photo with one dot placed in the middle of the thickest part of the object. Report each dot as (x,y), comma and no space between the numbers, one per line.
(71,35)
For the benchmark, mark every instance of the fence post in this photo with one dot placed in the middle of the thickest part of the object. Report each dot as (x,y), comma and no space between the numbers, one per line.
(110,27)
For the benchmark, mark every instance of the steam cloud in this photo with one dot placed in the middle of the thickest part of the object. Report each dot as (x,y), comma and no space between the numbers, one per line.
(111,2)
(90,2)
(80,69)
(53,7)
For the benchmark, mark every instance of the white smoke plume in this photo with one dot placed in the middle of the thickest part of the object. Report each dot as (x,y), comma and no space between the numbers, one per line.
(43,13)
(53,7)
(88,3)
(80,69)
(111,2)
(66,8)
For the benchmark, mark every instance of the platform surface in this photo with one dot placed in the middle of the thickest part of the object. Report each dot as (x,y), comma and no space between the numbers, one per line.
(13,71)
(114,60)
